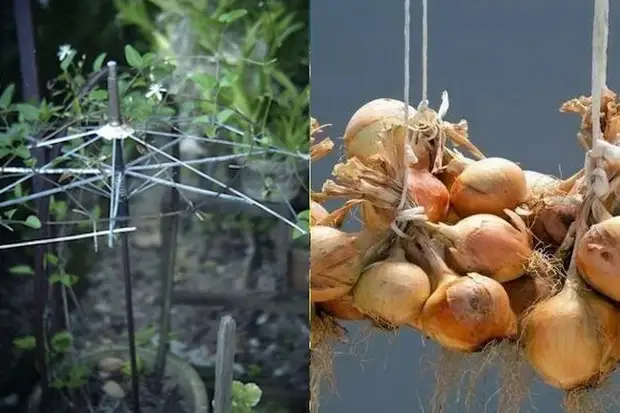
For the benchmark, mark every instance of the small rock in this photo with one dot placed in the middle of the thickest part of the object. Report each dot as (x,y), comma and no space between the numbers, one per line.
(113,389)
(111,364)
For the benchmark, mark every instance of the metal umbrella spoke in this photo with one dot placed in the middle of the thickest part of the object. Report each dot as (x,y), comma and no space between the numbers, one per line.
(220,184)
(49,192)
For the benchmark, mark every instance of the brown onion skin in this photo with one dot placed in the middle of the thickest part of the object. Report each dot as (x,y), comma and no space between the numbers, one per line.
(317,213)
(335,263)
(598,257)
(489,245)
(466,313)
(564,344)
(342,308)
(551,222)
(504,187)
(526,291)
(428,191)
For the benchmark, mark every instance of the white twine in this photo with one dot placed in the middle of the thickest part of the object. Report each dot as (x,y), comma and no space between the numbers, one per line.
(414,213)
(598,182)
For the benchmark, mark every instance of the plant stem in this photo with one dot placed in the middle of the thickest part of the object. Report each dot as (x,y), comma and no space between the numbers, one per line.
(170,233)
(30,91)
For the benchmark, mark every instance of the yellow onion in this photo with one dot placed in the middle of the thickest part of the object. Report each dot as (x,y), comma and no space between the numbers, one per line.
(463,313)
(392,292)
(342,308)
(336,260)
(488,186)
(361,136)
(488,245)
(429,192)
(598,257)
(571,338)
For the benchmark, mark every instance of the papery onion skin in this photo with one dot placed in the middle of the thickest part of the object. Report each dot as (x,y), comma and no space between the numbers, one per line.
(361,135)
(551,221)
(392,292)
(342,308)
(489,186)
(466,313)
(335,263)
(598,257)
(488,245)
(564,344)
(317,213)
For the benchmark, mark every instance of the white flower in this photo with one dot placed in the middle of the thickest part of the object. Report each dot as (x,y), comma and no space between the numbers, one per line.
(155,90)
(64,51)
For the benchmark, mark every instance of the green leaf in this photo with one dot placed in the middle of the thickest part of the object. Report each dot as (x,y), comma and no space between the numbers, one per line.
(62,341)
(224,115)
(231,16)
(98,94)
(68,280)
(59,209)
(127,366)
(133,57)
(205,81)
(32,222)
(66,62)
(7,96)
(25,343)
(9,214)
(22,151)
(303,221)
(27,112)
(229,79)
(98,63)
(21,270)
(51,259)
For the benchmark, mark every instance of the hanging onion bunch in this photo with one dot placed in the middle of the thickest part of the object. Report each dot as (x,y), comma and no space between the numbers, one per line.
(378,181)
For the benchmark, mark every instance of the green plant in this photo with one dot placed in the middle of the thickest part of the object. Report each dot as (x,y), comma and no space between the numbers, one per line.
(245,397)
(239,54)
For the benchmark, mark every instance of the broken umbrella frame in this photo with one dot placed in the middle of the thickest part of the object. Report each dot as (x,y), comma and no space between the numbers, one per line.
(113,176)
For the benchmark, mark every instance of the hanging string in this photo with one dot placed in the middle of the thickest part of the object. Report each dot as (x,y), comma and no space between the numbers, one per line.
(600,33)
(424,102)
(407,152)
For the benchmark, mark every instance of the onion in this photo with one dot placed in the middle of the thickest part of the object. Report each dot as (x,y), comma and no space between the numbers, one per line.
(336,260)
(488,245)
(553,217)
(429,192)
(570,338)
(342,308)
(361,136)
(598,257)
(317,213)
(393,291)
(464,313)
(489,186)
(528,290)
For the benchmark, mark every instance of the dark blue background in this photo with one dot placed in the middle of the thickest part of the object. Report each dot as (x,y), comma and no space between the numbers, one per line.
(508,65)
